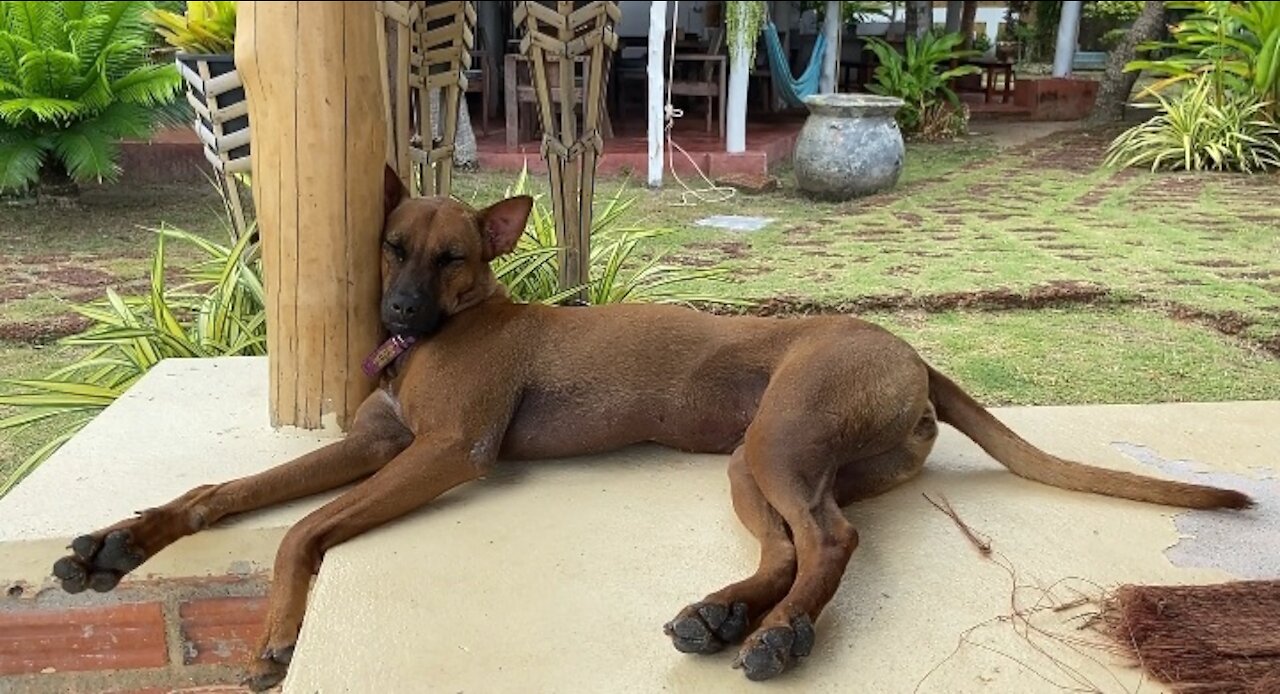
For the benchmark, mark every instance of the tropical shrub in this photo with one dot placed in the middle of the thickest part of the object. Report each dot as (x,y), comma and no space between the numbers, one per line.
(531,272)
(1236,43)
(75,78)
(1217,93)
(1202,129)
(207,27)
(920,76)
(218,312)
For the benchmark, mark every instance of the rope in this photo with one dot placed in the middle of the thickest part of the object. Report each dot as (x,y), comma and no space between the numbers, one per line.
(711,193)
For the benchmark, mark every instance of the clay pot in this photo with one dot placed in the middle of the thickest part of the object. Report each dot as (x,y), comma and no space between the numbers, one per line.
(850,146)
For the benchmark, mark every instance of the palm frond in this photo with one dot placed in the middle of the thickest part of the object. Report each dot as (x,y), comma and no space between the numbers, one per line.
(20,160)
(89,152)
(27,110)
(148,85)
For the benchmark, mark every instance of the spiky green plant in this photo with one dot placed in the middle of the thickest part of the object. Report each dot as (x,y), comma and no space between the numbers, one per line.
(219,312)
(920,75)
(1202,129)
(75,78)
(1236,44)
(207,27)
(617,274)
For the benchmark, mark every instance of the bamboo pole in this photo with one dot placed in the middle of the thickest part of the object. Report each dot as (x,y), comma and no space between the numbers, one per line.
(319,136)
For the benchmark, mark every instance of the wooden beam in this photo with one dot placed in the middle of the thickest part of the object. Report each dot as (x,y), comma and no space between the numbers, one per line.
(311,74)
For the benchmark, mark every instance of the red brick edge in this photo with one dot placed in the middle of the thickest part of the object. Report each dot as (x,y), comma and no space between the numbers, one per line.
(146,637)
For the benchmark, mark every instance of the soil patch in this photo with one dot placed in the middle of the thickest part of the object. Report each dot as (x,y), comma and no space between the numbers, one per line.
(44,330)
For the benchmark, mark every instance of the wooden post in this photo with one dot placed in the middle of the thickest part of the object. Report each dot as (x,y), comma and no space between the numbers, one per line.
(657,93)
(310,72)
(831,60)
(561,38)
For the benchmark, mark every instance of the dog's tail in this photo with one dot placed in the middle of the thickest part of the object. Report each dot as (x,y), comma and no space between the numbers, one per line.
(957,408)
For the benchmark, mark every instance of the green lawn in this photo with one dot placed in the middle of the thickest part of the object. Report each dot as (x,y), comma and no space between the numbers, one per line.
(1030,274)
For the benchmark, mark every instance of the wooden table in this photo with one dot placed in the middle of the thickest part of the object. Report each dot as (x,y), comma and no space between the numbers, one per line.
(990,68)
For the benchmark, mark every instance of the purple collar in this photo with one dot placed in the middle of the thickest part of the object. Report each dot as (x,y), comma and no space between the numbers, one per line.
(385,355)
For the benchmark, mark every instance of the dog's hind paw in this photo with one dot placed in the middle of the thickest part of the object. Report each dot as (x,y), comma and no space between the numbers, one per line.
(98,563)
(770,652)
(707,627)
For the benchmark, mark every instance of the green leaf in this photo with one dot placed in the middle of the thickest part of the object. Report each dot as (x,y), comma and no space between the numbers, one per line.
(88,152)
(37,457)
(20,160)
(49,72)
(148,85)
(24,110)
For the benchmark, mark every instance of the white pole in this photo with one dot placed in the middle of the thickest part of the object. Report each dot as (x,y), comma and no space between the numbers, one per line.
(831,59)
(1068,30)
(656,99)
(736,109)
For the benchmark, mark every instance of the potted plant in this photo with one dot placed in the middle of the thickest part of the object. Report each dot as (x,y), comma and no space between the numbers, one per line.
(205,42)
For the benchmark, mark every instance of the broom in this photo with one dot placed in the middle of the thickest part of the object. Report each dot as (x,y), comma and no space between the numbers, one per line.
(1201,638)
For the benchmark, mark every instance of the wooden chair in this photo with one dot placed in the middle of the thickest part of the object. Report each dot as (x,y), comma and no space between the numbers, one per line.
(518,89)
(708,76)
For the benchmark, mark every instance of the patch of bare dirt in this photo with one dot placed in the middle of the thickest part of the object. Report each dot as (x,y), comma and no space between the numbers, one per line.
(43,330)
(1260,274)
(1056,293)
(903,270)
(1219,263)
(14,291)
(76,276)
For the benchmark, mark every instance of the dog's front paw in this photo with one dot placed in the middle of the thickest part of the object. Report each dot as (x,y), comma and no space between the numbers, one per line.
(707,627)
(770,652)
(268,670)
(98,562)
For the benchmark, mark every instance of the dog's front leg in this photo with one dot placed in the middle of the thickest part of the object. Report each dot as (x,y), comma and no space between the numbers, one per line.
(100,559)
(418,475)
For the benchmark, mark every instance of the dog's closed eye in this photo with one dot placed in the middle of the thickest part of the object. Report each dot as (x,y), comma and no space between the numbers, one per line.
(395,249)
(449,258)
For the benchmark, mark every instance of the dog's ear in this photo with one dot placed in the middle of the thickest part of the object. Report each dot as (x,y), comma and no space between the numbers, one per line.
(502,223)
(393,190)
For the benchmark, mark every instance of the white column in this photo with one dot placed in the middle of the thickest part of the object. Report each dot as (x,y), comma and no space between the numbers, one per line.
(831,59)
(735,135)
(656,99)
(1068,31)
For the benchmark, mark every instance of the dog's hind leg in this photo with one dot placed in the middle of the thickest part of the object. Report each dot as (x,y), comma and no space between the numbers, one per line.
(723,617)
(100,559)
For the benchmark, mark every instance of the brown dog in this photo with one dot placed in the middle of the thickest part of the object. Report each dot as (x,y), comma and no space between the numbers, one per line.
(815,412)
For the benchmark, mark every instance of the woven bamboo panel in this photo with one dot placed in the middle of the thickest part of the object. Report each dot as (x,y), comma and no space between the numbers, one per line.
(570,47)
(221,124)
(430,43)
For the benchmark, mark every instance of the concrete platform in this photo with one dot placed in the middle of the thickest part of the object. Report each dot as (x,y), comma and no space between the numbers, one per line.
(558,576)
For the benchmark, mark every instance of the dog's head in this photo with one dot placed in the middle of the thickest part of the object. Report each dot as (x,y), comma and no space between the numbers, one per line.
(436,253)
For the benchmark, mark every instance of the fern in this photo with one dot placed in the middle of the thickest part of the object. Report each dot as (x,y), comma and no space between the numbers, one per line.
(74,78)
(88,151)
